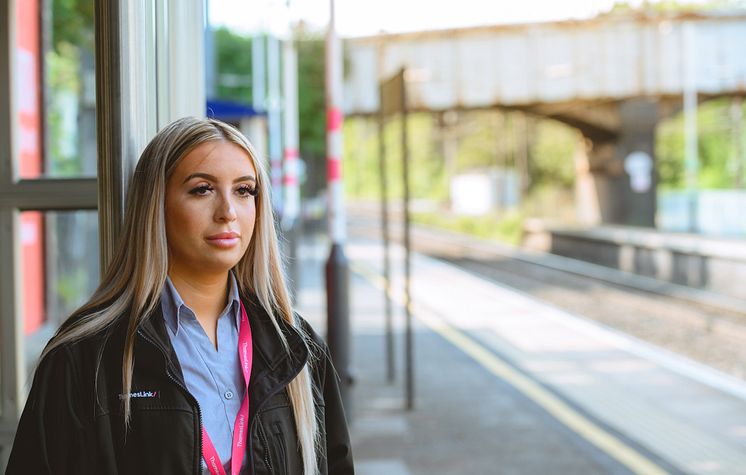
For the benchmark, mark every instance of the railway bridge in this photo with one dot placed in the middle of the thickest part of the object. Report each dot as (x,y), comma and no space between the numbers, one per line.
(612,78)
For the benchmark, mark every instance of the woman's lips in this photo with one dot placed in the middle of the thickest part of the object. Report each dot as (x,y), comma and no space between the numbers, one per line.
(224,240)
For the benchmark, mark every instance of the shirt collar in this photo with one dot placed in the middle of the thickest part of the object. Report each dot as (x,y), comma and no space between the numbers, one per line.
(173,305)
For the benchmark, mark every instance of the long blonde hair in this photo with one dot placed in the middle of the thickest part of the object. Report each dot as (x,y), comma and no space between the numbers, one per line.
(131,286)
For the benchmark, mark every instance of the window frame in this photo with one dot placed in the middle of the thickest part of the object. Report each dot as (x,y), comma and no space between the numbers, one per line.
(136,94)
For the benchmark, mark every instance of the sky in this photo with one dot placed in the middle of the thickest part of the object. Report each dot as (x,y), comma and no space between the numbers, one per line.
(370,17)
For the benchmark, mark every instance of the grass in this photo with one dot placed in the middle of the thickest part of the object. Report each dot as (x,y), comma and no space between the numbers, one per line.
(507,228)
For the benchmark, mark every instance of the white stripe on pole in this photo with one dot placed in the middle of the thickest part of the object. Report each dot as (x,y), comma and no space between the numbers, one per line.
(292,154)
(334,120)
(258,74)
(275,122)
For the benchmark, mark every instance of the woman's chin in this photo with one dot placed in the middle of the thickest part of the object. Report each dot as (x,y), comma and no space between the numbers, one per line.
(219,265)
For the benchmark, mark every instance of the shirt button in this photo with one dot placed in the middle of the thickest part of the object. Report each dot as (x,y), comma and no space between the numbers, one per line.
(228,395)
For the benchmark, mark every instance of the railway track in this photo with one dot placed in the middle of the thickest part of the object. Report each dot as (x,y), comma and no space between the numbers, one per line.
(711,334)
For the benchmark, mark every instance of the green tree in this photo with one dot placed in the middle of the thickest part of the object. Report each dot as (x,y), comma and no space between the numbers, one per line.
(716,149)
(312,108)
(72,24)
(67,60)
(551,155)
(232,65)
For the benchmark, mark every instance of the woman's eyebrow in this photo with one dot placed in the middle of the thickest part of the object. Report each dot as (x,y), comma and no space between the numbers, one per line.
(207,176)
(200,175)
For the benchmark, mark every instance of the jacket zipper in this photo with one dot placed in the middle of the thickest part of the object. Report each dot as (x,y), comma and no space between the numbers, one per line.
(280,441)
(186,393)
(267,458)
(280,386)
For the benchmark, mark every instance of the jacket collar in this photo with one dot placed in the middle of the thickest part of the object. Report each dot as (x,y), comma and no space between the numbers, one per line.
(268,342)
(273,366)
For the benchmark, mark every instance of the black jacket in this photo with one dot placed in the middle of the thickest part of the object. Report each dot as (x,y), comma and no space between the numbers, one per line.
(73,420)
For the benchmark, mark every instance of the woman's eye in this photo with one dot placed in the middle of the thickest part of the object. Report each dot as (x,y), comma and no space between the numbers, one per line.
(201,190)
(247,191)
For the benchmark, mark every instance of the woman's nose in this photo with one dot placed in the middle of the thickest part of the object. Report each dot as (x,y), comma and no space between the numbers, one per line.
(226,209)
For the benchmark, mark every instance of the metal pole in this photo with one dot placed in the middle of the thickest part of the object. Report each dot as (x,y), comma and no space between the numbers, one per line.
(12,351)
(337,269)
(181,22)
(736,114)
(691,160)
(390,366)
(126,108)
(449,143)
(290,166)
(258,73)
(274,120)
(211,88)
(259,124)
(290,179)
(408,335)
(521,132)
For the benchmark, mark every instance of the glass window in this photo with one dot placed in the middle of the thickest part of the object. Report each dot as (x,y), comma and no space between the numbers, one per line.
(60,271)
(57,91)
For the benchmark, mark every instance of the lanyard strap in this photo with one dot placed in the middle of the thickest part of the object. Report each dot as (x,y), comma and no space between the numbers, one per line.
(239,427)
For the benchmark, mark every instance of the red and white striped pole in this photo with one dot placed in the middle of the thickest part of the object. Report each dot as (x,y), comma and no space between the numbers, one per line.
(274,122)
(334,119)
(290,184)
(337,268)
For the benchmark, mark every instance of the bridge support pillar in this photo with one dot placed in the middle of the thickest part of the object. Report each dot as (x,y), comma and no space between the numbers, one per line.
(616,179)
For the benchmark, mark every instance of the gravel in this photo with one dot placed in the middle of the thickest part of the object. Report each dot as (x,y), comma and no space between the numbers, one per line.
(712,337)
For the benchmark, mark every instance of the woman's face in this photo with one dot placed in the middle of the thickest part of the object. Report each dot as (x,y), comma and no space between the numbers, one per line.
(210,209)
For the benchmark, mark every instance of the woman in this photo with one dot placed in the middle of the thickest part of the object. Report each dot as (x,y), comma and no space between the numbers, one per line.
(188,358)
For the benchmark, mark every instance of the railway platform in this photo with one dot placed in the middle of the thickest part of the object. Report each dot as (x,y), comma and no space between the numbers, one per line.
(507,384)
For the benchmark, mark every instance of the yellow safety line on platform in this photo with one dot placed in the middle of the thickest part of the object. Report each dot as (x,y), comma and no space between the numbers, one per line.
(564,413)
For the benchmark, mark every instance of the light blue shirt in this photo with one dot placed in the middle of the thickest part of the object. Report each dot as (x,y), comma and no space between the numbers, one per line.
(213,376)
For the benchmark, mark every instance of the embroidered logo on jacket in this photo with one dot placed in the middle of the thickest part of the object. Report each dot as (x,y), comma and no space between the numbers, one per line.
(140,395)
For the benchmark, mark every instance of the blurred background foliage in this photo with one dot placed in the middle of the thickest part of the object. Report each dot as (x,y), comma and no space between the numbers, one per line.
(68,53)
(234,83)
(539,151)
(233,65)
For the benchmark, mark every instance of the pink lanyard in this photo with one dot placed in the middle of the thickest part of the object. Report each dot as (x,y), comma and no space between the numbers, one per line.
(239,427)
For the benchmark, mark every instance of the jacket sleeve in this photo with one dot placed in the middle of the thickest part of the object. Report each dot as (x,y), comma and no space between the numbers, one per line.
(46,441)
(338,447)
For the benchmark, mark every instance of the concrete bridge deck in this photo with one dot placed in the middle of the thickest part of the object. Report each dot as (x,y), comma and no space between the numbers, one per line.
(569,68)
